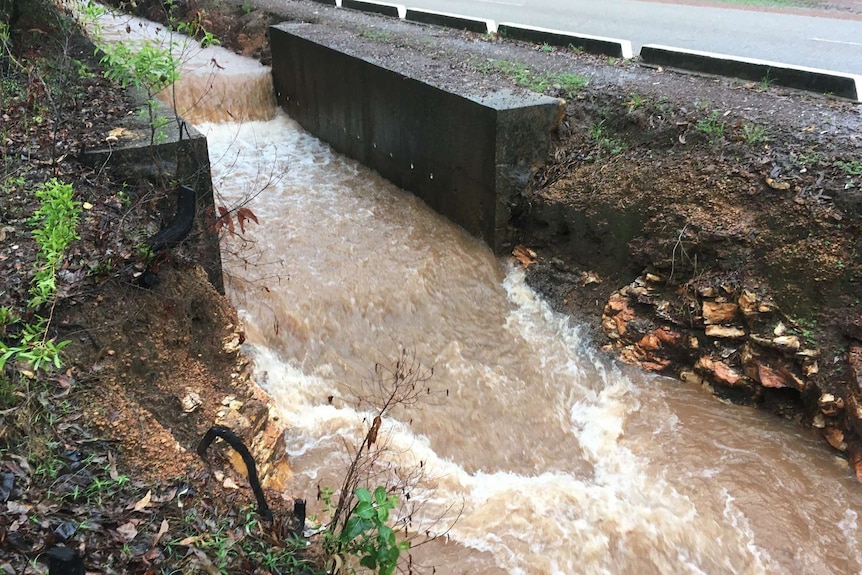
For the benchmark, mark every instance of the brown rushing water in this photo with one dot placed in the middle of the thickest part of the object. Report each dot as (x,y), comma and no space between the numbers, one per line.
(542,456)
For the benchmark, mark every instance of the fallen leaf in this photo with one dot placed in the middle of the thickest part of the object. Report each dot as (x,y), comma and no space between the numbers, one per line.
(230,483)
(144,501)
(190,540)
(524,255)
(205,561)
(127,531)
(112,466)
(777,185)
(15,508)
(162,530)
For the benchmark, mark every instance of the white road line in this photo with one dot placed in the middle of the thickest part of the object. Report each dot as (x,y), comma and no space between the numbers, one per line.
(500,3)
(837,42)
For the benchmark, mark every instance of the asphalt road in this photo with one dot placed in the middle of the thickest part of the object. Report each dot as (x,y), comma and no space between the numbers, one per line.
(816,42)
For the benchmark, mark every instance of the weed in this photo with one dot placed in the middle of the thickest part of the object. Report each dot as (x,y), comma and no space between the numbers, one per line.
(604,143)
(753,134)
(713,126)
(576,49)
(376,36)
(635,102)
(54,224)
(523,76)
(570,83)
(765,82)
(547,48)
(853,168)
(54,229)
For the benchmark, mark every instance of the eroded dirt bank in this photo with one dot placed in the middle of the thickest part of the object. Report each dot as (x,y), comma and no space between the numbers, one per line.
(705,228)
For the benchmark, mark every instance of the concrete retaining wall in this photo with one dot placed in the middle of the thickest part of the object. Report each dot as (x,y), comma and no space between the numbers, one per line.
(466,157)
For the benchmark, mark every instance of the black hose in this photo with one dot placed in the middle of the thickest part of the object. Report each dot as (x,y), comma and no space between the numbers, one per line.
(234,441)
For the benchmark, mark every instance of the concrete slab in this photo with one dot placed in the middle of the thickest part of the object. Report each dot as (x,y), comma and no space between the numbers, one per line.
(180,153)
(479,25)
(613,47)
(465,155)
(799,77)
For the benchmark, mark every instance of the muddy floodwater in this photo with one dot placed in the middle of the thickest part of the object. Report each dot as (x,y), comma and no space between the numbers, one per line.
(537,455)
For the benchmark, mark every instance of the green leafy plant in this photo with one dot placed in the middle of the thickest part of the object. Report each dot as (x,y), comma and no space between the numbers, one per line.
(853,168)
(635,102)
(151,67)
(713,126)
(54,228)
(753,134)
(367,534)
(604,143)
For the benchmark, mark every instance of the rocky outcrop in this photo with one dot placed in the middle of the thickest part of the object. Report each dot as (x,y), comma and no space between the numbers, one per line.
(737,342)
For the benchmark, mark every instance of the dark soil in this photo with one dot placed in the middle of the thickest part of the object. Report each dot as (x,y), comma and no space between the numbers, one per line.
(99,456)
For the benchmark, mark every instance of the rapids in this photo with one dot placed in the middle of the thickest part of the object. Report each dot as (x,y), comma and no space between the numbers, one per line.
(532,452)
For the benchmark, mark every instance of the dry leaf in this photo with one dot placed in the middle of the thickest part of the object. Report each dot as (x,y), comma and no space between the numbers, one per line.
(162,530)
(372,433)
(205,561)
(190,540)
(244,214)
(225,219)
(144,502)
(524,255)
(127,531)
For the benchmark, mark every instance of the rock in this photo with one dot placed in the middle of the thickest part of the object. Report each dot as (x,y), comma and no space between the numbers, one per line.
(690,377)
(747,302)
(190,402)
(728,332)
(769,377)
(719,370)
(787,343)
(718,313)
(819,422)
(780,329)
(855,358)
(829,404)
(835,438)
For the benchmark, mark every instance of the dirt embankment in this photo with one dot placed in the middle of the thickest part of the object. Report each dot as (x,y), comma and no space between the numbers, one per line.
(705,228)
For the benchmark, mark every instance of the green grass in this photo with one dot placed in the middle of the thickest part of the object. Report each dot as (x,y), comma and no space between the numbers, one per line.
(853,168)
(712,126)
(522,75)
(376,35)
(753,134)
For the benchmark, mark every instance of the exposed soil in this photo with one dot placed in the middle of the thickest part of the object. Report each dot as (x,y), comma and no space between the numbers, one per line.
(665,195)
(99,456)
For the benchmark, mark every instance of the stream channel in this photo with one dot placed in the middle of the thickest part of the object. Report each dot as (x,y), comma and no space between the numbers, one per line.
(533,453)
